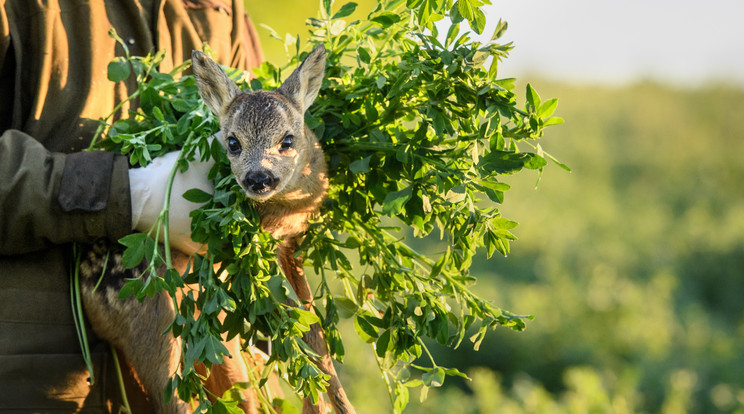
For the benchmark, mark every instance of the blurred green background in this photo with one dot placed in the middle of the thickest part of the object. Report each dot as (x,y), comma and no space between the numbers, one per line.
(633,264)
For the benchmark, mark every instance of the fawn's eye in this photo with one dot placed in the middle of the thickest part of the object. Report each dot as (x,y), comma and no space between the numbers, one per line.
(287,143)
(233,145)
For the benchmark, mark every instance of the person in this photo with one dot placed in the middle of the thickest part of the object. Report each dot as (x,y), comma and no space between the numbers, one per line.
(53,89)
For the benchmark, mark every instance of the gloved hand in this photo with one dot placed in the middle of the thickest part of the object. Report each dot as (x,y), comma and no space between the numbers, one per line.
(147,189)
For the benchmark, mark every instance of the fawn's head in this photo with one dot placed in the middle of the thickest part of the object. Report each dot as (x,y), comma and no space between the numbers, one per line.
(272,153)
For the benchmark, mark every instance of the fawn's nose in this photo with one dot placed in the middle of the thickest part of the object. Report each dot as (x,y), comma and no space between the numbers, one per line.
(260,181)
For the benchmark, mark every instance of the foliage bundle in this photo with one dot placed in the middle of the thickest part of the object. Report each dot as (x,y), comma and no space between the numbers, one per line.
(417,129)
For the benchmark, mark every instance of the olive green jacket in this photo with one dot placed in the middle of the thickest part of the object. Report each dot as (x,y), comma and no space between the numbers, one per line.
(53,87)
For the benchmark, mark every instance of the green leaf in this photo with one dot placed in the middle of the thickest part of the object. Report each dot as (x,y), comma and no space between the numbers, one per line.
(383,343)
(454,372)
(503,223)
(173,278)
(500,30)
(401,398)
(346,10)
(465,9)
(456,194)
(135,249)
(477,338)
(478,23)
(437,268)
(279,290)
(452,33)
(214,350)
(222,406)
(194,351)
(454,14)
(496,186)
(560,164)
(553,121)
(364,55)
(234,393)
(158,114)
(434,377)
(423,393)
(506,83)
(345,306)
(535,162)
(386,19)
(118,69)
(196,195)
(326,9)
(394,201)
(380,81)
(360,166)
(507,162)
(170,387)
(364,329)
(533,99)
(547,108)
(307,318)
(283,406)
(132,287)
(185,106)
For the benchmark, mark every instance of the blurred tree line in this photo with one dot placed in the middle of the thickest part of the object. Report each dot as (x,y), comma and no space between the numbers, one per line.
(633,264)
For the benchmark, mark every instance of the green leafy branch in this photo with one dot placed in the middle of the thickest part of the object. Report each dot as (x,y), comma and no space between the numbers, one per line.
(417,128)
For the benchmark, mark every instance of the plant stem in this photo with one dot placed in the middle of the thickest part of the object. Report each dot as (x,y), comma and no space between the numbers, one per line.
(261,392)
(165,213)
(103,271)
(391,390)
(103,122)
(431,358)
(120,378)
(77,313)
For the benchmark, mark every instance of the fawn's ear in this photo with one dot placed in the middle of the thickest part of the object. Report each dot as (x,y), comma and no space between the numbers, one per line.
(303,84)
(215,88)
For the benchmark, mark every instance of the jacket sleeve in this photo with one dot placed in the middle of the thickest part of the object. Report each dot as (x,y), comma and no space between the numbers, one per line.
(52,198)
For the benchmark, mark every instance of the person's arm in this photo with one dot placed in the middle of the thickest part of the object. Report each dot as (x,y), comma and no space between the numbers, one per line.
(48,198)
(53,198)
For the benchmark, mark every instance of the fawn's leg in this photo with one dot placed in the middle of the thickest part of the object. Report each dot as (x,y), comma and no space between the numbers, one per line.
(137,329)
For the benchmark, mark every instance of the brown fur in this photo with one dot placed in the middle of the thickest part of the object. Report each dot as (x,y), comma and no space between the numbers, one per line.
(261,122)
(134,328)
(138,330)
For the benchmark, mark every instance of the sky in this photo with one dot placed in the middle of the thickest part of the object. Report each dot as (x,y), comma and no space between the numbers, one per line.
(681,42)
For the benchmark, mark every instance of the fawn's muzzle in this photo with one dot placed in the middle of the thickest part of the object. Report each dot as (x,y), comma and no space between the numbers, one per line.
(260,181)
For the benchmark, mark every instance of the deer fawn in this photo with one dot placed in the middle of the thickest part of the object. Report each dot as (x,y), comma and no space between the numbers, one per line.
(279,163)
